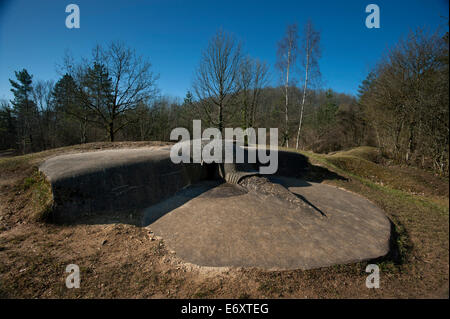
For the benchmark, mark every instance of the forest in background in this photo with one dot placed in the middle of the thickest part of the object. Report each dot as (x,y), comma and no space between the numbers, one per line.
(402,106)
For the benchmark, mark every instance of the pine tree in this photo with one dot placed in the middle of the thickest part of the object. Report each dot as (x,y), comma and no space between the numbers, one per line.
(8,134)
(96,95)
(24,109)
(68,107)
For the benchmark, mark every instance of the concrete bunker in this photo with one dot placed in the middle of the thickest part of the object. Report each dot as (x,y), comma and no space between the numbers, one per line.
(101,181)
(223,214)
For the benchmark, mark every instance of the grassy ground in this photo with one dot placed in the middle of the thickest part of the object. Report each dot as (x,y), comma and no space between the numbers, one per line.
(122,260)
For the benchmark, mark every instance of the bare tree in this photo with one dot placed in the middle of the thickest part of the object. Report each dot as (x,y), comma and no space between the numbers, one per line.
(407,101)
(310,56)
(132,80)
(260,80)
(252,78)
(42,93)
(117,81)
(286,57)
(215,83)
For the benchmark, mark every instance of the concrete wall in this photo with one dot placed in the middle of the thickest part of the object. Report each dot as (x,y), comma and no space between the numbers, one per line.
(117,180)
(83,185)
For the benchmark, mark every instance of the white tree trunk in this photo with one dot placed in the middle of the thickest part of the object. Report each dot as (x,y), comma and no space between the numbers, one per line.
(304,97)
(286,130)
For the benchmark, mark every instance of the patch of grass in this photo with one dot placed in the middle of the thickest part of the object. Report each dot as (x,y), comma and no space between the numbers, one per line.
(376,177)
(203,293)
(41,195)
(364,162)
(14,163)
(244,295)
(368,153)
(270,287)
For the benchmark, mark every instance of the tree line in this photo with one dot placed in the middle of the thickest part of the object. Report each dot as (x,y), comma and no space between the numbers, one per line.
(405,101)
(402,105)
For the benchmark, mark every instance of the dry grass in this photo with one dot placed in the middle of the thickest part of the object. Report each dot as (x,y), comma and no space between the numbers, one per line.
(121,260)
(364,162)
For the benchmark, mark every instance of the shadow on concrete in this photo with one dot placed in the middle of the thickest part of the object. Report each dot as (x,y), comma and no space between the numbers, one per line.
(310,204)
(142,217)
(215,187)
(291,182)
(154,212)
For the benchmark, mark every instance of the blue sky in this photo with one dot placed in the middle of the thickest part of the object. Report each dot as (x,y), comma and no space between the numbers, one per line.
(172,34)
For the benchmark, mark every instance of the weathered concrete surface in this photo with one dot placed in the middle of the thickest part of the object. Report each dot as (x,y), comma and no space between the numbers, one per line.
(115,180)
(228,226)
(124,179)
(257,223)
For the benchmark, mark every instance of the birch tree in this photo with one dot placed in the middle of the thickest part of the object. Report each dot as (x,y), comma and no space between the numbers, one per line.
(286,57)
(310,55)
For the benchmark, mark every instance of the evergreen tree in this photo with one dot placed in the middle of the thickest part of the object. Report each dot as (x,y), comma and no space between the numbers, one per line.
(326,114)
(24,109)
(68,107)
(96,96)
(7,127)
